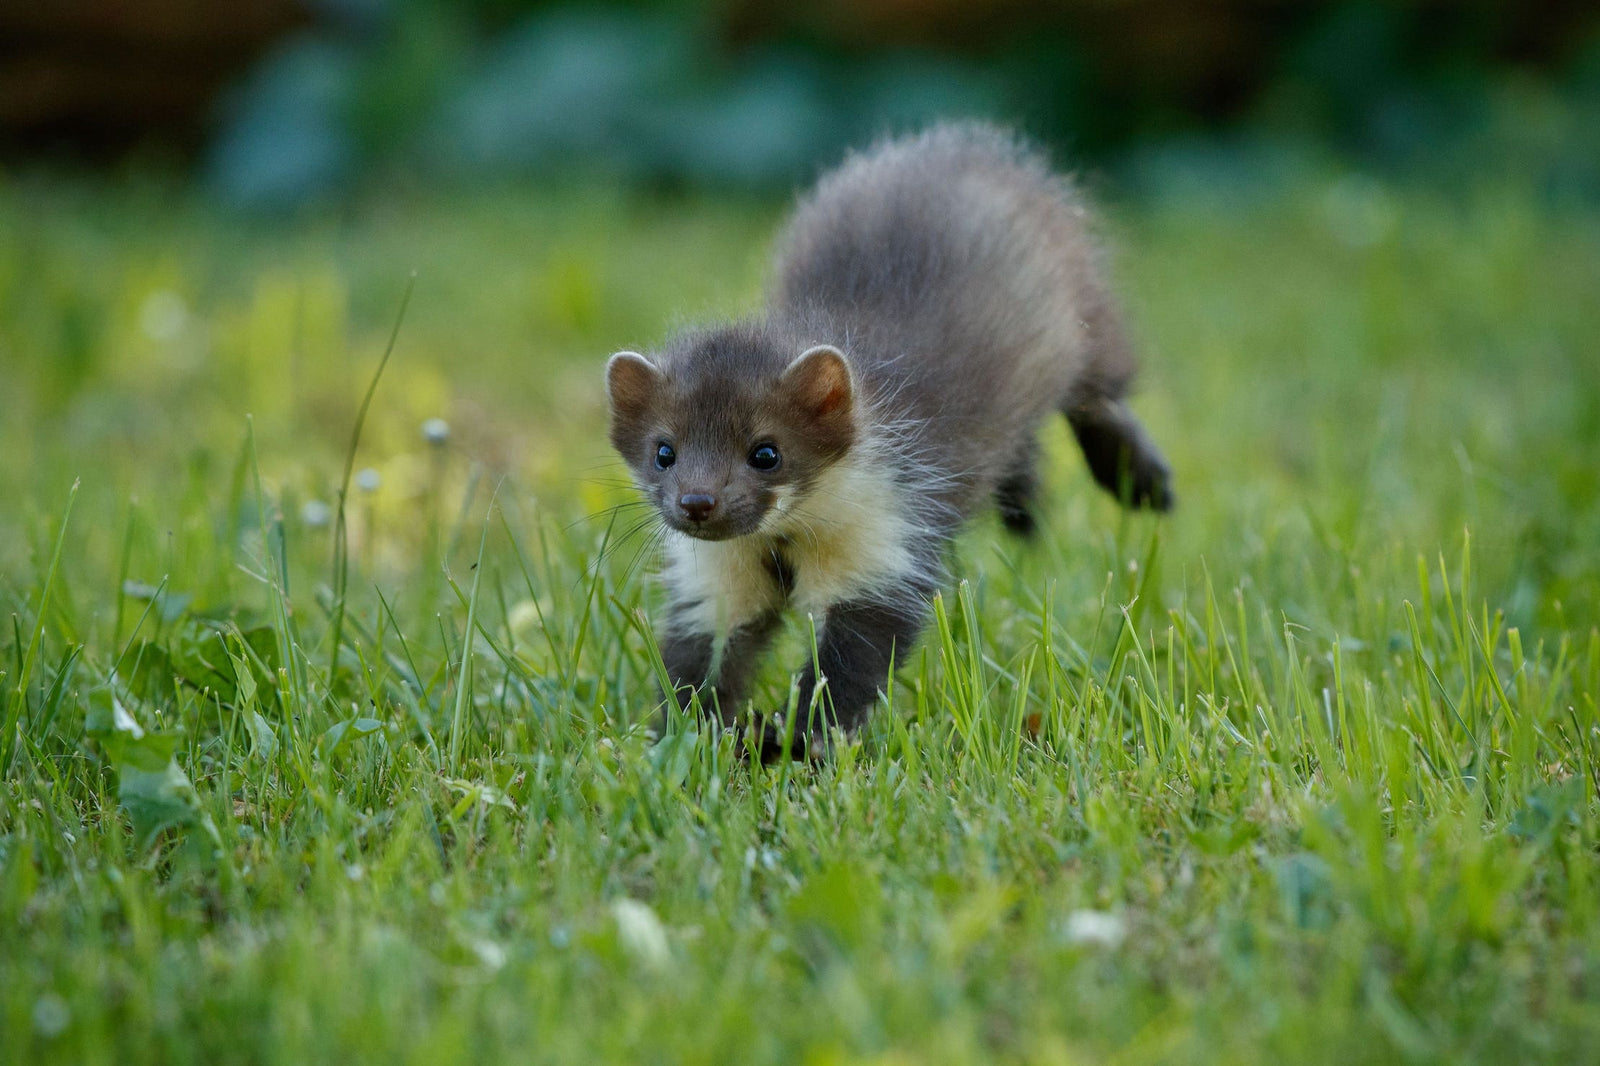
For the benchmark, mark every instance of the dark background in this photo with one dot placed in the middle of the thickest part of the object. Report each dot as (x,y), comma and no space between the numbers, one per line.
(273,103)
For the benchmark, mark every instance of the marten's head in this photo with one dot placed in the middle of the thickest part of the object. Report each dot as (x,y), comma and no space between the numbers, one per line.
(727,432)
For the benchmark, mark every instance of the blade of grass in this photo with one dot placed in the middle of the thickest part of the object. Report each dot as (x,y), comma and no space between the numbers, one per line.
(464,673)
(341,545)
(10,737)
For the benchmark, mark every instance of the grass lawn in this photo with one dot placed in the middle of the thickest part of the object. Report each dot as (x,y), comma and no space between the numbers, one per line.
(1305,772)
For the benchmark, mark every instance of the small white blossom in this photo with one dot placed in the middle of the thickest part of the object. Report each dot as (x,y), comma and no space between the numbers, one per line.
(524,616)
(491,954)
(51,1015)
(368,479)
(641,932)
(316,514)
(1098,928)
(436,431)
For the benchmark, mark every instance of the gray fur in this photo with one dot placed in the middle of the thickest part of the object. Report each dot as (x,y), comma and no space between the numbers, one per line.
(957,275)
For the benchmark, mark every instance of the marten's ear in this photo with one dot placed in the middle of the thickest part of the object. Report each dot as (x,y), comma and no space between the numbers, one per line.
(819,381)
(631,383)
(818,387)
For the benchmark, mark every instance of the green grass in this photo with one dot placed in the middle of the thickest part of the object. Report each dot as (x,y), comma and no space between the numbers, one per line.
(1305,772)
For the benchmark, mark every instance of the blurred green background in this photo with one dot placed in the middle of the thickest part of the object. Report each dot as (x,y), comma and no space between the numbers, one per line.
(284,101)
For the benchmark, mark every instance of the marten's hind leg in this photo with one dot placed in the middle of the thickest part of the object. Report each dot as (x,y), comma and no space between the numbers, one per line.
(1018,491)
(1120,454)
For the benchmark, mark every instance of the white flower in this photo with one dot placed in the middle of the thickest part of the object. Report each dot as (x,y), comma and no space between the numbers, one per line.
(641,932)
(492,955)
(368,479)
(524,616)
(436,431)
(1099,928)
(51,1015)
(316,514)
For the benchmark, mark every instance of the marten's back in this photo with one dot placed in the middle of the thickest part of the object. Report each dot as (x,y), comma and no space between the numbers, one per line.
(959,272)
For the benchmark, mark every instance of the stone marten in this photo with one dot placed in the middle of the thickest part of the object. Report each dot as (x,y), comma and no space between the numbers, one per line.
(934,299)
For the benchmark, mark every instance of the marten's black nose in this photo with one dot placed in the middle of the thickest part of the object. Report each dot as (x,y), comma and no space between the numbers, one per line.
(696,506)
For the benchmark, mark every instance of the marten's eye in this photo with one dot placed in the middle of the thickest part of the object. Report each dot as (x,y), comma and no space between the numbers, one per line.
(765,457)
(665,456)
